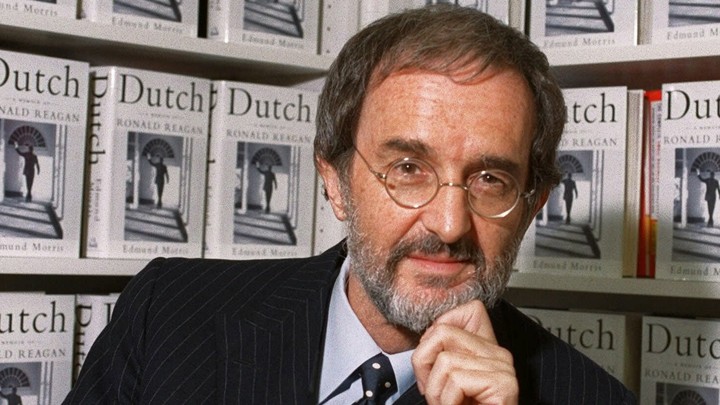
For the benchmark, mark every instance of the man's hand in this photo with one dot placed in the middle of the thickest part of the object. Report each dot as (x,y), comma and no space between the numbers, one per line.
(459,361)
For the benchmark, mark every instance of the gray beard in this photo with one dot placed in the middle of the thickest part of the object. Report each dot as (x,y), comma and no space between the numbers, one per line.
(377,273)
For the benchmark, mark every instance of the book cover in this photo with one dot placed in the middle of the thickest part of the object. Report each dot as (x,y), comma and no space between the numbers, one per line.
(609,339)
(147,160)
(41,8)
(588,227)
(647,237)
(43,121)
(171,17)
(680,361)
(92,314)
(688,233)
(261,177)
(36,347)
(287,24)
(665,21)
(586,24)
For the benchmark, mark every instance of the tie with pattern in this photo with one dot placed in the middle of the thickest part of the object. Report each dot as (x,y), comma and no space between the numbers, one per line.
(378,380)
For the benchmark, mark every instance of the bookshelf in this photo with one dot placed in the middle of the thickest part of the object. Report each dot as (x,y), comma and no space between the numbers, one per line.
(644,66)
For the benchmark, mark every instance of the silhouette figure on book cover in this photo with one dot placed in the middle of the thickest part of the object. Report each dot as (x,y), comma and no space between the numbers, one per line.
(30,164)
(12,398)
(161,176)
(269,184)
(711,189)
(570,193)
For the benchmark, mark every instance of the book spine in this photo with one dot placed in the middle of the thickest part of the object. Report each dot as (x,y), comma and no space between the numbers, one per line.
(213,239)
(102,116)
(218,20)
(633,181)
(655,114)
(88,10)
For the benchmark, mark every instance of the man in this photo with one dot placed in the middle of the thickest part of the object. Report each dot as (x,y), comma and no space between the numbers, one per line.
(437,131)
(30,164)
(569,194)
(161,176)
(712,187)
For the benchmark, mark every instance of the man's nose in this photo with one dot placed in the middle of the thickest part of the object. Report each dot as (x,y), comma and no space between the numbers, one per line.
(448,215)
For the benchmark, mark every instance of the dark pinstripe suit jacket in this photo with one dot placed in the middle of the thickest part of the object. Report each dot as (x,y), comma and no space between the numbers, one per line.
(193,331)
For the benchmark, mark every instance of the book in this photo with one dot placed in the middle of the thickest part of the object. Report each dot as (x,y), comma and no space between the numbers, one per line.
(679,361)
(689,161)
(647,238)
(41,8)
(563,24)
(511,12)
(147,163)
(261,176)
(589,225)
(173,17)
(339,20)
(609,339)
(43,122)
(286,25)
(665,21)
(92,314)
(36,347)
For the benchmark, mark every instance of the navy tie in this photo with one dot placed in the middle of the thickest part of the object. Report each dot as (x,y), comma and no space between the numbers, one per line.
(378,380)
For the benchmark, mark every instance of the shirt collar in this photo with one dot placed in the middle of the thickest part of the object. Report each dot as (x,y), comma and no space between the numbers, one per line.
(348,344)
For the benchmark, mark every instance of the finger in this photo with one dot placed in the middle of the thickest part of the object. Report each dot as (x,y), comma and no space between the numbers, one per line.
(478,387)
(456,378)
(471,316)
(443,340)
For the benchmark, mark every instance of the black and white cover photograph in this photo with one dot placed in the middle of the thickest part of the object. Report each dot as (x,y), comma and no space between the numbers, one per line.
(267,194)
(569,224)
(168,10)
(696,236)
(157,189)
(32,201)
(570,17)
(20,384)
(583,23)
(671,394)
(680,21)
(693,12)
(285,24)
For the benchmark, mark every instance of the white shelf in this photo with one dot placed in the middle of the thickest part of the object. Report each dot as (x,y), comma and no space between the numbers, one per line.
(106,45)
(70,266)
(531,281)
(622,286)
(641,66)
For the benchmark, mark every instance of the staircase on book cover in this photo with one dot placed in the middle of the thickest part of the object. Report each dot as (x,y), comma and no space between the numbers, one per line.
(579,17)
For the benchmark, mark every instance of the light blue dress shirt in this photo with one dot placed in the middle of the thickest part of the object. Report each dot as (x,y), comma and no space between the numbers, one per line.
(348,345)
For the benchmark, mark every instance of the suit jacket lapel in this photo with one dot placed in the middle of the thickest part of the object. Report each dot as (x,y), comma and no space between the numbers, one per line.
(270,351)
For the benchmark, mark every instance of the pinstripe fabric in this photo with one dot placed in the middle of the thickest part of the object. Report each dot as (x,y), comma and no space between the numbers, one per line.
(191,331)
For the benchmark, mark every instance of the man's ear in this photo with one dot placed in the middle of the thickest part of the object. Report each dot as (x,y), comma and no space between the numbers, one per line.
(542,199)
(331,181)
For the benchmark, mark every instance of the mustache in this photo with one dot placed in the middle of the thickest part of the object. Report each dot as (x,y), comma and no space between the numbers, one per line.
(430,244)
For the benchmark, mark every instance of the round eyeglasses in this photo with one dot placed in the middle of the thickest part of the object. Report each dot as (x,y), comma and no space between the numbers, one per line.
(413,183)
